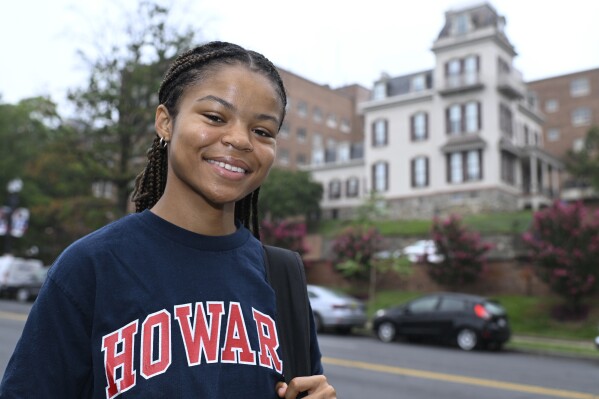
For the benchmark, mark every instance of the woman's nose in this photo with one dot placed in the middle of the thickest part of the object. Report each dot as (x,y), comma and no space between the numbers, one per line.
(238,138)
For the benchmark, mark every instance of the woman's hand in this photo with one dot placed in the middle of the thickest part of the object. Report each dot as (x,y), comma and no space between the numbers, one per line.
(316,386)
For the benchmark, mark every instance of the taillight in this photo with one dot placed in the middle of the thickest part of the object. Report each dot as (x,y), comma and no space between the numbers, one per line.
(480,311)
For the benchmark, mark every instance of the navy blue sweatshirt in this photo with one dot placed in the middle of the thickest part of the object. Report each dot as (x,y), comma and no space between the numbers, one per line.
(144,309)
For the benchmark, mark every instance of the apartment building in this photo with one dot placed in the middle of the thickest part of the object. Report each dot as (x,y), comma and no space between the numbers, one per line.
(321,126)
(464,136)
(570,104)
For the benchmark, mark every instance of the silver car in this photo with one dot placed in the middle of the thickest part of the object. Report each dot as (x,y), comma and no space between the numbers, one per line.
(335,310)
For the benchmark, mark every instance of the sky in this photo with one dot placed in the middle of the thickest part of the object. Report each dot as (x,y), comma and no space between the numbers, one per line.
(334,42)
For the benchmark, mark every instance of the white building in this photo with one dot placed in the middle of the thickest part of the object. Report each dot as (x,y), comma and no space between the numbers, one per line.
(462,137)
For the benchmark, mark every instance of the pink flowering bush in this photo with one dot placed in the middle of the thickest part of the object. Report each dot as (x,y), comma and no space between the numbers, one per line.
(463,253)
(354,250)
(285,234)
(563,244)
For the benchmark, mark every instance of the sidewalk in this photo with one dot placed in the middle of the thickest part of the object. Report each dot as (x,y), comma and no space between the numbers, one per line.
(554,346)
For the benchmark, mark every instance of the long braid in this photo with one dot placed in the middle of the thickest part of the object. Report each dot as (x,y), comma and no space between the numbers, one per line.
(189,68)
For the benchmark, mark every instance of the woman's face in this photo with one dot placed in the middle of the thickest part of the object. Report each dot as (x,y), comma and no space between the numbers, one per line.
(223,140)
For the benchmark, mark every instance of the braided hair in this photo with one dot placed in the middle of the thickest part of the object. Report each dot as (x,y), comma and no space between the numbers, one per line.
(190,68)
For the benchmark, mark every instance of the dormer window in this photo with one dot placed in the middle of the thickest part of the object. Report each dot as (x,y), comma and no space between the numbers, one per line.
(462,24)
(380,90)
(418,83)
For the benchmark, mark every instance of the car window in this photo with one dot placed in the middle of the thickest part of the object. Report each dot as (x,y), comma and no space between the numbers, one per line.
(422,305)
(494,308)
(452,305)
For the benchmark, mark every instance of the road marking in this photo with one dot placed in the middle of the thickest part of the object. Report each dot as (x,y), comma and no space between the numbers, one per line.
(508,386)
(13,316)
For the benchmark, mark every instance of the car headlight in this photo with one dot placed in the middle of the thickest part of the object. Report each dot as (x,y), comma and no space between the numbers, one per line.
(380,312)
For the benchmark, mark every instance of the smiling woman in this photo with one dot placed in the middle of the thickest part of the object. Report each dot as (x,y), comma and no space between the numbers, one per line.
(176,293)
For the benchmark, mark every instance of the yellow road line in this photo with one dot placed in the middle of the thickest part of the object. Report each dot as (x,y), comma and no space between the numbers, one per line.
(459,379)
(13,316)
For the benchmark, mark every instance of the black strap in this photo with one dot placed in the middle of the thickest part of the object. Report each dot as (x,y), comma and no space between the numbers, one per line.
(285,273)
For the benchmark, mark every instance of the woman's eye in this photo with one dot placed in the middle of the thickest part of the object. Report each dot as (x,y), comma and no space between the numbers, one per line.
(213,118)
(262,132)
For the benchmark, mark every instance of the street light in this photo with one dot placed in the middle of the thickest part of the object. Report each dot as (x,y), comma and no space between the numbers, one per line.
(13,187)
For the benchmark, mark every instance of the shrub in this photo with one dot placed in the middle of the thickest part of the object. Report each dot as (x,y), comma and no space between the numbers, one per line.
(354,250)
(285,234)
(563,244)
(462,252)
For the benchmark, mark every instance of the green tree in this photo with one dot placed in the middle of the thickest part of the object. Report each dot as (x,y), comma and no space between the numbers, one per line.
(117,107)
(583,165)
(288,193)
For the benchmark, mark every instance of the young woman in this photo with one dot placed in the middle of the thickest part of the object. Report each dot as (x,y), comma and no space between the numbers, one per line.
(172,301)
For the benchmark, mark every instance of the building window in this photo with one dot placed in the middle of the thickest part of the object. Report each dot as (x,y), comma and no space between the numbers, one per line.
(461,24)
(578,144)
(284,131)
(345,126)
(462,71)
(455,119)
(317,115)
(352,187)
(472,119)
(380,90)
(380,177)
(301,134)
(463,118)
(335,189)
(473,165)
(332,121)
(456,171)
(506,123)
(419,126)
(464,166)
(380,133)
(581,116)
(343,151)
(301,159)
(471,69)
(418,83)
(302,108)
(579,87)
(508,168)
(420,172)
(553,134)
(318,156)
(283,156)
(551,105)
(317,140)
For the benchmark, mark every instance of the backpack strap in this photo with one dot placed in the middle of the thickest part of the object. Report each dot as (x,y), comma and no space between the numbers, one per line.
(285,273)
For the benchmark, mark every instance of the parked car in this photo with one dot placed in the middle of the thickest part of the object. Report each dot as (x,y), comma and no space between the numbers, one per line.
(21,278)
(597,341)
(416,251)
(335,310)
(468,321)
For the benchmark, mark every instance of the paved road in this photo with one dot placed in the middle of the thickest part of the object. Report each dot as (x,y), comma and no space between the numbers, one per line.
(362,367)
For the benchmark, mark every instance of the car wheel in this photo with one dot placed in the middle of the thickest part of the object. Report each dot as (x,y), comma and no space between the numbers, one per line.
(467,339)
(386,331)
(22,295)
(318,323)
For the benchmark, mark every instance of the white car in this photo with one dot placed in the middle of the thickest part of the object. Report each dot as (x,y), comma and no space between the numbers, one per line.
(416,251)
(336,310)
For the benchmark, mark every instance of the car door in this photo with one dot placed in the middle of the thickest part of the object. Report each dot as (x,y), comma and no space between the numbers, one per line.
(418,318)
(450,310)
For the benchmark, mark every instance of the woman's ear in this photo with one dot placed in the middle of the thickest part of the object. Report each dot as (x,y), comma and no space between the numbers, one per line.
(163,123)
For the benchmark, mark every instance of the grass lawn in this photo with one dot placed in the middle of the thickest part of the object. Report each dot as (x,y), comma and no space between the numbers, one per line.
(489,223)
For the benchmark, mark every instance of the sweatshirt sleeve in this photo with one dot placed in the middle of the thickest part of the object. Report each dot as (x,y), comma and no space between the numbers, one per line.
(52,358)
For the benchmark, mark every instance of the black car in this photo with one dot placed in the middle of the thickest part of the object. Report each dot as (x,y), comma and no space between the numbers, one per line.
(469,321)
